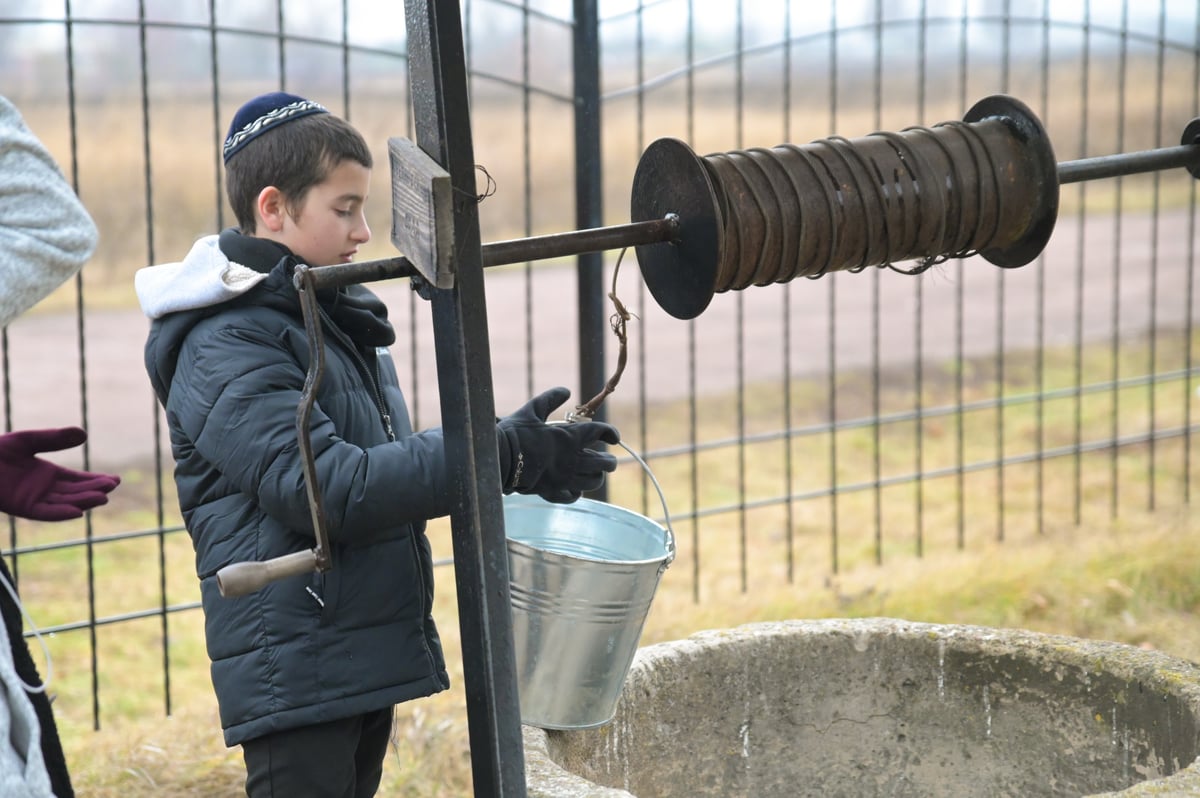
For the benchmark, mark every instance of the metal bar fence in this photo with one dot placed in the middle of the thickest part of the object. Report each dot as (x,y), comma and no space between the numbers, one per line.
(821,427)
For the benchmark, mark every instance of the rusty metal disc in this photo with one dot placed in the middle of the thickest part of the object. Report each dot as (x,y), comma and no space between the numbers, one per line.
(681,274)
(1040,188)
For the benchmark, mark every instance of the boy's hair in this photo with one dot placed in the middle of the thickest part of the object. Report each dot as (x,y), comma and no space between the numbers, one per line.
(293,157)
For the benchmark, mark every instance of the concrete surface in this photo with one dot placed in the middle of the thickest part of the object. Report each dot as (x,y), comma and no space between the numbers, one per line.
(877,707)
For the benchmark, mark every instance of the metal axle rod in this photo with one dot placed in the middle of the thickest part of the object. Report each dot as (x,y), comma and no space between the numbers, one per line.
(599,239)
(1131,163)
(500,253)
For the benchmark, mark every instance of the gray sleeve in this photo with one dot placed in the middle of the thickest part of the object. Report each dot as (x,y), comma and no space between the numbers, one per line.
(46,235)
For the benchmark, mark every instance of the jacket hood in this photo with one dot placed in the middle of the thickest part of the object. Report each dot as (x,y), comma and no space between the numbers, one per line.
(205,277)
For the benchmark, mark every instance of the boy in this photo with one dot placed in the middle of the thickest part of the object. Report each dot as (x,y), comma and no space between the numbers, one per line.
(307,670)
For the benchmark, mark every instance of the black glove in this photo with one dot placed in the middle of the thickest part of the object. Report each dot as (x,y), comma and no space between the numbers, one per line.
(552,460)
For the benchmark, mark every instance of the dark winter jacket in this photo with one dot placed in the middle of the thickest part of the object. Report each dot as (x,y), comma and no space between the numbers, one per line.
(227,356)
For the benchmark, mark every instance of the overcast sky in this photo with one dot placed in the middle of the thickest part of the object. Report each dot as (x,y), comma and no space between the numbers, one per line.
(382,21)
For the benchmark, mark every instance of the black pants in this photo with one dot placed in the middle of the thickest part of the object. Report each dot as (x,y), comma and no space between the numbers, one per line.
(340,759)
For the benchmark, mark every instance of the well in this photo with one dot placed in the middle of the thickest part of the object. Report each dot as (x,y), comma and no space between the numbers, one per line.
(876,707)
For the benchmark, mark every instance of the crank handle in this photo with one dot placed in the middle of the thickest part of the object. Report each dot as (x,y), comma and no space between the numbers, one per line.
(243,578)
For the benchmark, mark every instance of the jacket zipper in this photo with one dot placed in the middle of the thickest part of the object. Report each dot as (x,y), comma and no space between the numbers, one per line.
(371,375)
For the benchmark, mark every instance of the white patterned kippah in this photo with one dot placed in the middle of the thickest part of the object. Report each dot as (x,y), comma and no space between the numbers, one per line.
(263,113)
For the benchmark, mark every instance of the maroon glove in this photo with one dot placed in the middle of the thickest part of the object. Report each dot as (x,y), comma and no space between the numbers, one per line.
(31,487)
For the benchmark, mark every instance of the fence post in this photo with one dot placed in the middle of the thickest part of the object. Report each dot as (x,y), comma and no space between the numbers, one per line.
(589,207)
(438,83)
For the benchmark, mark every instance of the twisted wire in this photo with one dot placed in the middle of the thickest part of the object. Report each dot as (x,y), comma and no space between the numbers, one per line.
(836,204)
(906,153)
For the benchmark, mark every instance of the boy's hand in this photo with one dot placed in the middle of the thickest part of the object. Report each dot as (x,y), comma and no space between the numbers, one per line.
(31,487)
(552,460)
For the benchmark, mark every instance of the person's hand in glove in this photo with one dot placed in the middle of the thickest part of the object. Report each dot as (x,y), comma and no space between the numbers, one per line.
(552,460)
(31,487)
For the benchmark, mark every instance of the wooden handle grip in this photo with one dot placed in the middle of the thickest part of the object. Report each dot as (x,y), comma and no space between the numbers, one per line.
(243,578)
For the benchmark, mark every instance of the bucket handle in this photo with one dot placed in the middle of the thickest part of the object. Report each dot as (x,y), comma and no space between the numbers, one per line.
(666,513)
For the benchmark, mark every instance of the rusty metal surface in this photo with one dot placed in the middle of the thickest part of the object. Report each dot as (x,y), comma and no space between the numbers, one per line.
(985,184)
(312,381)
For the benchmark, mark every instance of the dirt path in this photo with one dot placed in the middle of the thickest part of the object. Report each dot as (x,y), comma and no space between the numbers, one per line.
(43,363)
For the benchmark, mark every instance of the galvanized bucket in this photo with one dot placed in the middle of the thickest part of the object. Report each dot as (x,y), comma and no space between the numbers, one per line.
(582,578)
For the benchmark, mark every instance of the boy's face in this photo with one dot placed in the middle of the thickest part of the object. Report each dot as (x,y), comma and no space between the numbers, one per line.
(330,225)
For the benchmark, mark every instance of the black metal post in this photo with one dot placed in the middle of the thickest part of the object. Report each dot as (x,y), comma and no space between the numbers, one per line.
(589,204)
(438,80)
